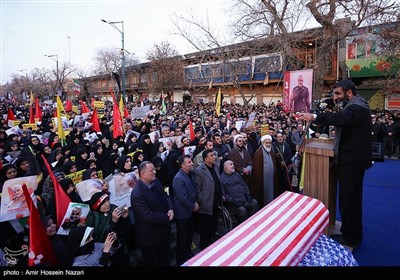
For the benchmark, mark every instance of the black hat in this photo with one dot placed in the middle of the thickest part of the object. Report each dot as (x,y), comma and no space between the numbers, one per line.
(97,200)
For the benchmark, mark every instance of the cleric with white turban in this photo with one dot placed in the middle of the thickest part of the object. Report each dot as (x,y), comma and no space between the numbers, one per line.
(266,141)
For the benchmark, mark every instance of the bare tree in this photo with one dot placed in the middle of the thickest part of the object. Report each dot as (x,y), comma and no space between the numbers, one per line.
(166,69)
(108,60)
(217,60)
(283,26)
(41,82)
(61,75)
(285,17)
(391,81)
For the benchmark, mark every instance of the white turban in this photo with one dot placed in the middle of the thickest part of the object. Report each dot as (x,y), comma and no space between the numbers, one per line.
(265,137)
(236,137)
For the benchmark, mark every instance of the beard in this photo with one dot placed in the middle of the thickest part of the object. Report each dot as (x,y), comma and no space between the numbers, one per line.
(340,103)
(268,149)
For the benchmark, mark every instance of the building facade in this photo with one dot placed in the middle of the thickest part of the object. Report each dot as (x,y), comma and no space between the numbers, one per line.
(256,74)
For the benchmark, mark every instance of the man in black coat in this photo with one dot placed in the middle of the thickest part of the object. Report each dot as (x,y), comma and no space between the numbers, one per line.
(353,156)
(284,156)
(153,213)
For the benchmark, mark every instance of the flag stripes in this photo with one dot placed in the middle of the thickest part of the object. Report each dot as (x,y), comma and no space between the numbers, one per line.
(280,234)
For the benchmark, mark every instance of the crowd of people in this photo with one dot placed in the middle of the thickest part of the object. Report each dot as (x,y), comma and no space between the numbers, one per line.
(244,168)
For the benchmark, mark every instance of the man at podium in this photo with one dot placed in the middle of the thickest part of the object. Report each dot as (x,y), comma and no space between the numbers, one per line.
(353,144)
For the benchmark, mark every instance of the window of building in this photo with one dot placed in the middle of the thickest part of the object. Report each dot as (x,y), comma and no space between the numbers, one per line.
(143,78)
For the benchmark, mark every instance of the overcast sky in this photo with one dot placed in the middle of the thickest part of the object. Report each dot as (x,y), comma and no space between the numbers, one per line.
(74,30)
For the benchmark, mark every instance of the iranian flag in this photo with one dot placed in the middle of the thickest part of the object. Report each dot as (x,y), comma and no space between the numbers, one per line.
(76,87)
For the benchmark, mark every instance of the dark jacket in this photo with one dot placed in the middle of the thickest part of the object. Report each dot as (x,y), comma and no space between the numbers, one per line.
(185,195)
(355,125)
(150,208)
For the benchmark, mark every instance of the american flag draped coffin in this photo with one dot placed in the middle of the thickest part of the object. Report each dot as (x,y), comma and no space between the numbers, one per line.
(280,234)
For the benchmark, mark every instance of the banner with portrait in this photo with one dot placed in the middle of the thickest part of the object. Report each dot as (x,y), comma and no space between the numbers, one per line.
(74,217)
(121,187)
(13,203)
(89,187)
(297,90)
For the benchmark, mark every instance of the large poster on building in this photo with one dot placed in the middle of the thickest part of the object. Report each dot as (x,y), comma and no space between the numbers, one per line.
(367,54)
(297,90)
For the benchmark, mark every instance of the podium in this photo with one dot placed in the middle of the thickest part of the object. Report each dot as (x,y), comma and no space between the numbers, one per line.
(320,174)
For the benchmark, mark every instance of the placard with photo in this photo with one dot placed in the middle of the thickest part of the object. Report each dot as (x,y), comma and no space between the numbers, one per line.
(121,187)
(74,217)
(13,203)
(88,187)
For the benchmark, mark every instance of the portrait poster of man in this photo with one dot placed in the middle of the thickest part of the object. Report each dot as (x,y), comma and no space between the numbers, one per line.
(351,51)
(128,134)
(80,120)
(239,124)
(13,130)
(189,150)
(164,155)
(75,216)
(88,187)
(13,203)
(298,88)
(91,137)
(154,136)
(121,188)
(64,122)
(167,141)
(177,141)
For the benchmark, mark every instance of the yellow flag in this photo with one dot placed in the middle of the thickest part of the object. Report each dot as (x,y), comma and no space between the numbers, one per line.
(303,165)
(218,103)
(60,105)
(31,100)
(121,105)
(303,162)
(60,129)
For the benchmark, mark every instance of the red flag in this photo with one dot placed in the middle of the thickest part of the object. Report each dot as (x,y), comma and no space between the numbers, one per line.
(38,111)
(10,117)
(191,130)
(68,105)
(117,119)
(41,252)
(84,109)
(31,116)
(95,121)
(126,113)
(62,199)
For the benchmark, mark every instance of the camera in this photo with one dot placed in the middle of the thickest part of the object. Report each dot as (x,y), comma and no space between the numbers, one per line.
(324,103)
(123,208)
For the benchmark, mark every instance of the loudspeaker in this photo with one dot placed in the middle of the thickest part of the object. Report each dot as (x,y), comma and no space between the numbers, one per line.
(377,151)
